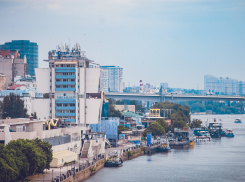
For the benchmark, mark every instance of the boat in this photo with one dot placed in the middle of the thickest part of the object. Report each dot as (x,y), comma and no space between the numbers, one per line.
(229,133)
(191,144)
(215,130)
(163,147)
(179,145)
(238,120)
(113,159)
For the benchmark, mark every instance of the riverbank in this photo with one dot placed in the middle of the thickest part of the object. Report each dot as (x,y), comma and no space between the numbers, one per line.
(92,170)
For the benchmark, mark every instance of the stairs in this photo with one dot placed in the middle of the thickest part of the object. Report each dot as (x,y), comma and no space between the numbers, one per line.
(85,150)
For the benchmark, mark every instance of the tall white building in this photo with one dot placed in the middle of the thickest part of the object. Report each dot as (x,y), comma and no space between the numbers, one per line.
(73,83)
(112,77)
(224,86)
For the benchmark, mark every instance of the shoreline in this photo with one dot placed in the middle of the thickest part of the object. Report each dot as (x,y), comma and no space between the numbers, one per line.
(92,170)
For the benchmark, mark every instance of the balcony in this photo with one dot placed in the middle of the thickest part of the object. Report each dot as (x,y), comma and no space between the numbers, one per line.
(61,101)
(65,76)
(65,83)
(65,69)
(70,120)
(65,114)
(65,108)
(65,89)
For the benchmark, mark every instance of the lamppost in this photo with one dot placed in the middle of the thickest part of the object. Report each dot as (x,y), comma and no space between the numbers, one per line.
(52,175)
(43,176)
(60,171)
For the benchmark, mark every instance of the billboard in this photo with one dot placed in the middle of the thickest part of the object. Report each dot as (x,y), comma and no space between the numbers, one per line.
(149,138)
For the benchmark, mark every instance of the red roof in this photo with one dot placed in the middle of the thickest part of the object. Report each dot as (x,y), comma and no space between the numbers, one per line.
(13,87)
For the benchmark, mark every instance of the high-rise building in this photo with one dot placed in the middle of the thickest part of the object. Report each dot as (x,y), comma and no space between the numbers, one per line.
(112,77)
(12,65)
(25,48)
(164,85)
(73,83)
(224,86)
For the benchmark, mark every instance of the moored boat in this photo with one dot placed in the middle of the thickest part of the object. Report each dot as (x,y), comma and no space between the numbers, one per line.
(238,120)
(163,147)
(113,159)
(229,133)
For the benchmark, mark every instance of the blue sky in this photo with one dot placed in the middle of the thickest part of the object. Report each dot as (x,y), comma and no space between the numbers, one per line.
(174,41)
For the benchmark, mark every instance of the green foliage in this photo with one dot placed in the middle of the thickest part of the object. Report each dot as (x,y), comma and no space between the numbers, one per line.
(21,158)
(195,123)
(177,111)
(138,107)
(216,107)
(47,149)
(129,154)
(156,129)
(113,112)
(142,148)
(178,124)
(122,128)
(13,107)
(163,123)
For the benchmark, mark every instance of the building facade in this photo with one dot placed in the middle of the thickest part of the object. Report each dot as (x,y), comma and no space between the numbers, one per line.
(2,81)
(26,49)
(112,79)
(12,65)
(223,86)
(73,83)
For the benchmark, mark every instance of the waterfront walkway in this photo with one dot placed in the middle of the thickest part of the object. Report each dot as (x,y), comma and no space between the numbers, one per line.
(83,163)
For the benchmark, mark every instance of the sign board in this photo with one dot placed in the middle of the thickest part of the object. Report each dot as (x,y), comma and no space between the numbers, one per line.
(149,138)
(121,136)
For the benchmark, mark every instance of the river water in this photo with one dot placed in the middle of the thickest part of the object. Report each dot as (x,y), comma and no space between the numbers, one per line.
(219,160)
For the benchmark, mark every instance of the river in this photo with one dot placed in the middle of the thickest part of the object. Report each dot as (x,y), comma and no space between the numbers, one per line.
(219,160)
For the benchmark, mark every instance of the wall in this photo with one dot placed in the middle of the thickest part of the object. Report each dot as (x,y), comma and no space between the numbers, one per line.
(43,80)
(93,110)
(92,80)
(41,107)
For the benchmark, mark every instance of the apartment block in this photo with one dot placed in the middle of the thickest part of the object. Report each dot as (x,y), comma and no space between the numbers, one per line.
(12,65)
(223,86)
(112,77)
(72,82)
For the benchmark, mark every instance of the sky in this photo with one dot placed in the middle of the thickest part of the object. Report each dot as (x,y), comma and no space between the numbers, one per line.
(173,41)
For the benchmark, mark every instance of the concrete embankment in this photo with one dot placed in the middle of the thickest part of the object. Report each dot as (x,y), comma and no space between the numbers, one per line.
(86,173)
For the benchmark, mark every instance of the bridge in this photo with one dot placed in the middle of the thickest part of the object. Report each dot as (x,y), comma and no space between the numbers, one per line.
(172,97)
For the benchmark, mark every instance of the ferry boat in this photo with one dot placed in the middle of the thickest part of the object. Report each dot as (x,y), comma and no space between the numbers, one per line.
(163,147)
(229,133)
(113,159)
(215,129)
(238,120)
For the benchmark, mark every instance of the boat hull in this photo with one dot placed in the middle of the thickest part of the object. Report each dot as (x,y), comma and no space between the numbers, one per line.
(229,135)
(163,149)
(112,164)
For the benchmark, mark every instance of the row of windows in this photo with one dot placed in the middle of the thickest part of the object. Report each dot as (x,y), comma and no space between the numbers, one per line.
(65,105)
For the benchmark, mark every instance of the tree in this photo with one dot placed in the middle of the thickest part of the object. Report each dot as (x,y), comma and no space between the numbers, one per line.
(195,123)
(47,149)
(178,124)
(156,129)
(163,123)
(13,106)
(113,112)
(129,154)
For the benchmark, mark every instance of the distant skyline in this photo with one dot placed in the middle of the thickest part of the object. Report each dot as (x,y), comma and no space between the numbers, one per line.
(173,41)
